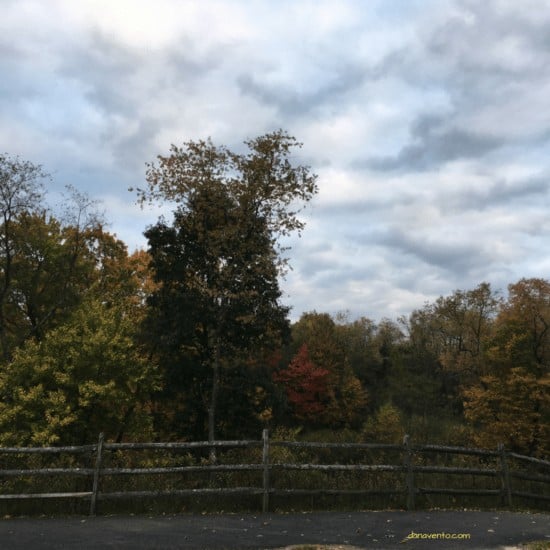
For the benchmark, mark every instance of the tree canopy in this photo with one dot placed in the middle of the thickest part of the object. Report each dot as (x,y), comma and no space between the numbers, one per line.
(191,336)
(218,263)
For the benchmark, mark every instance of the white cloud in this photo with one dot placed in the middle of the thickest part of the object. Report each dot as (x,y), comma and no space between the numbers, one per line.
(426,121)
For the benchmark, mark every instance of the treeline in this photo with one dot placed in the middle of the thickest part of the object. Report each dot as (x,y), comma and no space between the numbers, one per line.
(189,340)
(471,368)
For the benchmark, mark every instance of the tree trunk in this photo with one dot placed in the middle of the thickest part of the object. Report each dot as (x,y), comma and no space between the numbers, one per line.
(215,346)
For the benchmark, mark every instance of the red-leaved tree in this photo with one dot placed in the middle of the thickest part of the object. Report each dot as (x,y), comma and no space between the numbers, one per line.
(306,386)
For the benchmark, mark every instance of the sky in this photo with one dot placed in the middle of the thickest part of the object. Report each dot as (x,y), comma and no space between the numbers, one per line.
(426,121)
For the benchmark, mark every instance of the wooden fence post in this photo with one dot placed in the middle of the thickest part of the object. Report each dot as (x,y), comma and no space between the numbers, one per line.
(407,459)
(265,461)
(505,476)
(97,469)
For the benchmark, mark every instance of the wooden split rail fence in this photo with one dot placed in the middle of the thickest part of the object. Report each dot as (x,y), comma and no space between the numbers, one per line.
(413,471)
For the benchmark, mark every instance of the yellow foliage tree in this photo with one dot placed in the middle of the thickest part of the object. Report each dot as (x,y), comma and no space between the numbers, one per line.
(512,408)
(385,426)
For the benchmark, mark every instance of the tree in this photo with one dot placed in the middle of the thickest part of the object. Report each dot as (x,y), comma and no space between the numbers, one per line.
(446,350)
(346,402)
(53,267)
(459,326)
(385,426)
(522,333)
(218,264)
(372,350)
(84,377)
(510,403)
(47,263)
(511,407)
(306,387)
(49,275)
(21,192)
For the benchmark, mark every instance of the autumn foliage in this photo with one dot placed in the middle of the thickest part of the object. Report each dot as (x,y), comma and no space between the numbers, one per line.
(190,335)
(306,386)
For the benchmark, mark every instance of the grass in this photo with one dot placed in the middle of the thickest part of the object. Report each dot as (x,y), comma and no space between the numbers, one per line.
(537,545)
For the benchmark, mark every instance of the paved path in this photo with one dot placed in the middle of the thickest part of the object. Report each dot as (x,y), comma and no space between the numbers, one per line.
(235,531)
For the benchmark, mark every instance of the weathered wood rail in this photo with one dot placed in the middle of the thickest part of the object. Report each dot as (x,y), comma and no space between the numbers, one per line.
(409,467)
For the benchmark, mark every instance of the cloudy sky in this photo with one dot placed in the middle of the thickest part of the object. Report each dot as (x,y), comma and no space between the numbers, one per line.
(427,121)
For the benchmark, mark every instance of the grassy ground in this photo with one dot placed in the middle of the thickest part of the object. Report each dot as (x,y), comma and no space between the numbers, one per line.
(537,545)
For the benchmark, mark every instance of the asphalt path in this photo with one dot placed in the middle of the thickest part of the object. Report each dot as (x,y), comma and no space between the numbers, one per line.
(235,531)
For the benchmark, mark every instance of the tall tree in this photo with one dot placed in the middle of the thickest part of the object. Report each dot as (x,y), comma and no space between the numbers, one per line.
(47,263)
(218,263)
(510,403)
(53,266)
(371,350)
(21,192)
(460,326)
(522,335)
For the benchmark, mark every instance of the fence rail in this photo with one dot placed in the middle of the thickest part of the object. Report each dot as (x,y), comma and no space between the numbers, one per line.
(409,466)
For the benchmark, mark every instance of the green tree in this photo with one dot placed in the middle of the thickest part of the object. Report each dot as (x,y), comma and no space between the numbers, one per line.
(53,267)
(47,263)
(218,264)
(84,377)
(21,192)
(50,273)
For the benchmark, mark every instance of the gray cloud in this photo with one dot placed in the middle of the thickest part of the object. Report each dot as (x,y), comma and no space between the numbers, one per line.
(433,144)
(501,193)
(337,81)
(427,123)
(458,257)
(104,69)
(489,60)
